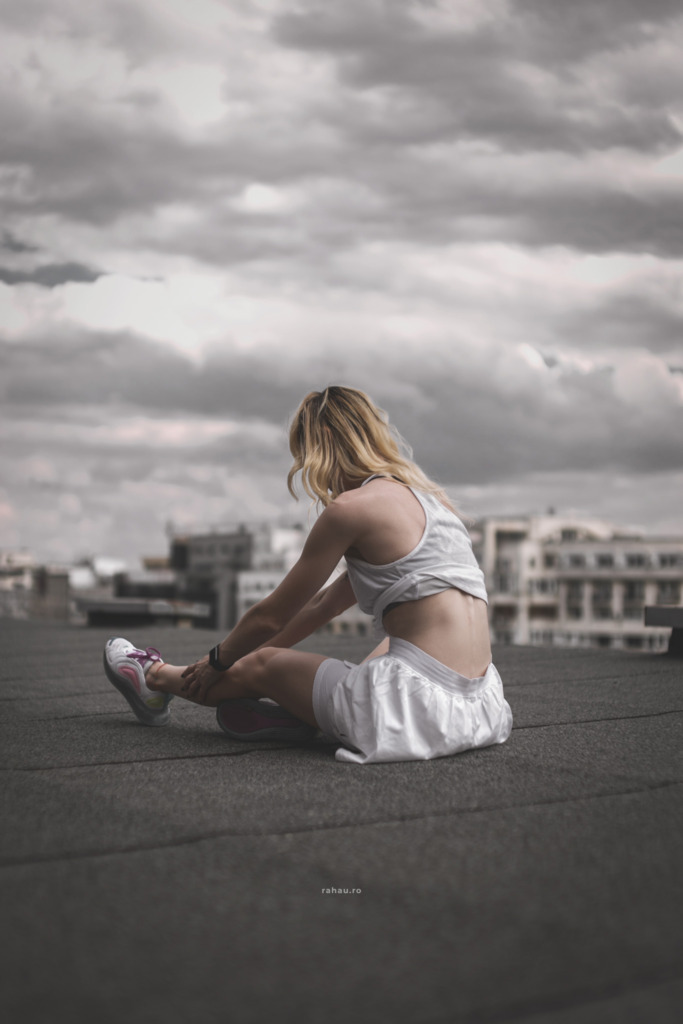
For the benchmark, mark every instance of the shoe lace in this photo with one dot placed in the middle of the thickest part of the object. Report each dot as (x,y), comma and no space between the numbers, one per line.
(150,654)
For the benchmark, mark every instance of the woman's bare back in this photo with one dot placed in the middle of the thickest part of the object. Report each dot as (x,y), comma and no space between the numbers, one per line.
(451,626)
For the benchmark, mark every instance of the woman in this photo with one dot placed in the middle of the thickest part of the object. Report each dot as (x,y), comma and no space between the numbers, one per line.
(428,690)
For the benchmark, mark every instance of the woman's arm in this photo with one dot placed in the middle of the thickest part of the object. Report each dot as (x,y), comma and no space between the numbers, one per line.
(332,535)
(326,605)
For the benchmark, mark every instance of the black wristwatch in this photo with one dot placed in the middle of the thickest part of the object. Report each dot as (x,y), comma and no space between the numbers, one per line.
(215,659)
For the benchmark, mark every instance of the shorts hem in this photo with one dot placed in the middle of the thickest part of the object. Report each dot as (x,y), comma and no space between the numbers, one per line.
(329,674)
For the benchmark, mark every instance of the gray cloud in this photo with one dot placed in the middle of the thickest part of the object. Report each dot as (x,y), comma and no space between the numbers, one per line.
(123,24)
(592,26)
(460,205)
(405,94)
(475,434)
(390,137)
(625,320)
(10,243)
(462,424)
(143,375)
(51,275)
(502,81)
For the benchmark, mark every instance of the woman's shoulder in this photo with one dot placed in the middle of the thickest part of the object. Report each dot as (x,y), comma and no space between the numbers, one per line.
(369,493)
(382,501)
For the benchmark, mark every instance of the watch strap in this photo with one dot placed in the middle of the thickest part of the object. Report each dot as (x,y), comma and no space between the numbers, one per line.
(215,659)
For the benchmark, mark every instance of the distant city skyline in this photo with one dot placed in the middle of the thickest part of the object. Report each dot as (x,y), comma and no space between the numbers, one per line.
(472,210)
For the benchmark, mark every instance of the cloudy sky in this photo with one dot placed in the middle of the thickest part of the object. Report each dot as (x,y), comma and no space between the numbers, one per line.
(473,209)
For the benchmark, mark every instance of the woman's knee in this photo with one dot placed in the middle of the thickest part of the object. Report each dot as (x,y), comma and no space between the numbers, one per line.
(251,671)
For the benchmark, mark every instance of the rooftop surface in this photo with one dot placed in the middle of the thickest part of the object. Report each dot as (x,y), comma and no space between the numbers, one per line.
(172,875)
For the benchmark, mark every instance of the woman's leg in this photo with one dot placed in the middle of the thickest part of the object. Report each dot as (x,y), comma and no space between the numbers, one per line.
(283,675)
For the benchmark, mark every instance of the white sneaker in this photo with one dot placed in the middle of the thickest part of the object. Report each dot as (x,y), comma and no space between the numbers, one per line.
(125,666)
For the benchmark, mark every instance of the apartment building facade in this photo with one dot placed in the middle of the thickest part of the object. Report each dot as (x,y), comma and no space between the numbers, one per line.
(209,566)
(565,581)
(604,587)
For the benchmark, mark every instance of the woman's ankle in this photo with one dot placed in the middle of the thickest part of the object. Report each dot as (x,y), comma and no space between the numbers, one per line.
(153,675)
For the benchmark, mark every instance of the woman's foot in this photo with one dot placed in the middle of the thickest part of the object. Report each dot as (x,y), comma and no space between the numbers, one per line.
(250,719)
(126,668)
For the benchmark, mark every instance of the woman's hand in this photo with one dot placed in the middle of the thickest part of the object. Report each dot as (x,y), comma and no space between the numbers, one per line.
(200,677)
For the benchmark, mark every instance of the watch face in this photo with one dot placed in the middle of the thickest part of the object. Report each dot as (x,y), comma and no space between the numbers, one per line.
(214,659)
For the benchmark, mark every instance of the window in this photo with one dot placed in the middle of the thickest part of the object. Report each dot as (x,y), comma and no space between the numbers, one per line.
(542,637)
(569,535)
(605,561)
(542,586)
(638,561)
(505,536)
(634,590)
(670,561)
(669,592)
(549,561)
(577,561)
(504,579)
(575,600)
(503,618)
(634,599)
(602,600)
(542,611)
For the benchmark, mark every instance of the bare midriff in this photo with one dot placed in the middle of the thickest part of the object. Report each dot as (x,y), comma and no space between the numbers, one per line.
(451,626)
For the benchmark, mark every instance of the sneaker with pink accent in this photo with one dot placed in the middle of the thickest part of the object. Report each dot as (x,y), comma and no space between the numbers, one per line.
(125,666)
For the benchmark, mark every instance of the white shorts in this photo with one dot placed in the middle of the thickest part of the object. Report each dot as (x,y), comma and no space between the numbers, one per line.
(407,706)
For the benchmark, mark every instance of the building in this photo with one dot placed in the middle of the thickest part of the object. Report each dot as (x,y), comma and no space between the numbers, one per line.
(575,582)
(50,593)
(29,590)
(254,585)
(16,583)
(131,599)
(234,570)
(603,588)
(209,566)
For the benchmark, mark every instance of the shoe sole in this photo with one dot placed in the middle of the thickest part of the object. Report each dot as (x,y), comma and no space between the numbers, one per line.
(140,710)
(296,734)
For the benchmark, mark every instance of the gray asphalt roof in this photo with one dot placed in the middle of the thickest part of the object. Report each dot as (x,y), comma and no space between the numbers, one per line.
(172,875)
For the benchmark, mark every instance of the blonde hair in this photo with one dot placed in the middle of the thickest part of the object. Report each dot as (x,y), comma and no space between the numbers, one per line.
(340,436)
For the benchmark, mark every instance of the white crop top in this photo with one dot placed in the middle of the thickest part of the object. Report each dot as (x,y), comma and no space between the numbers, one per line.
(443,558)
